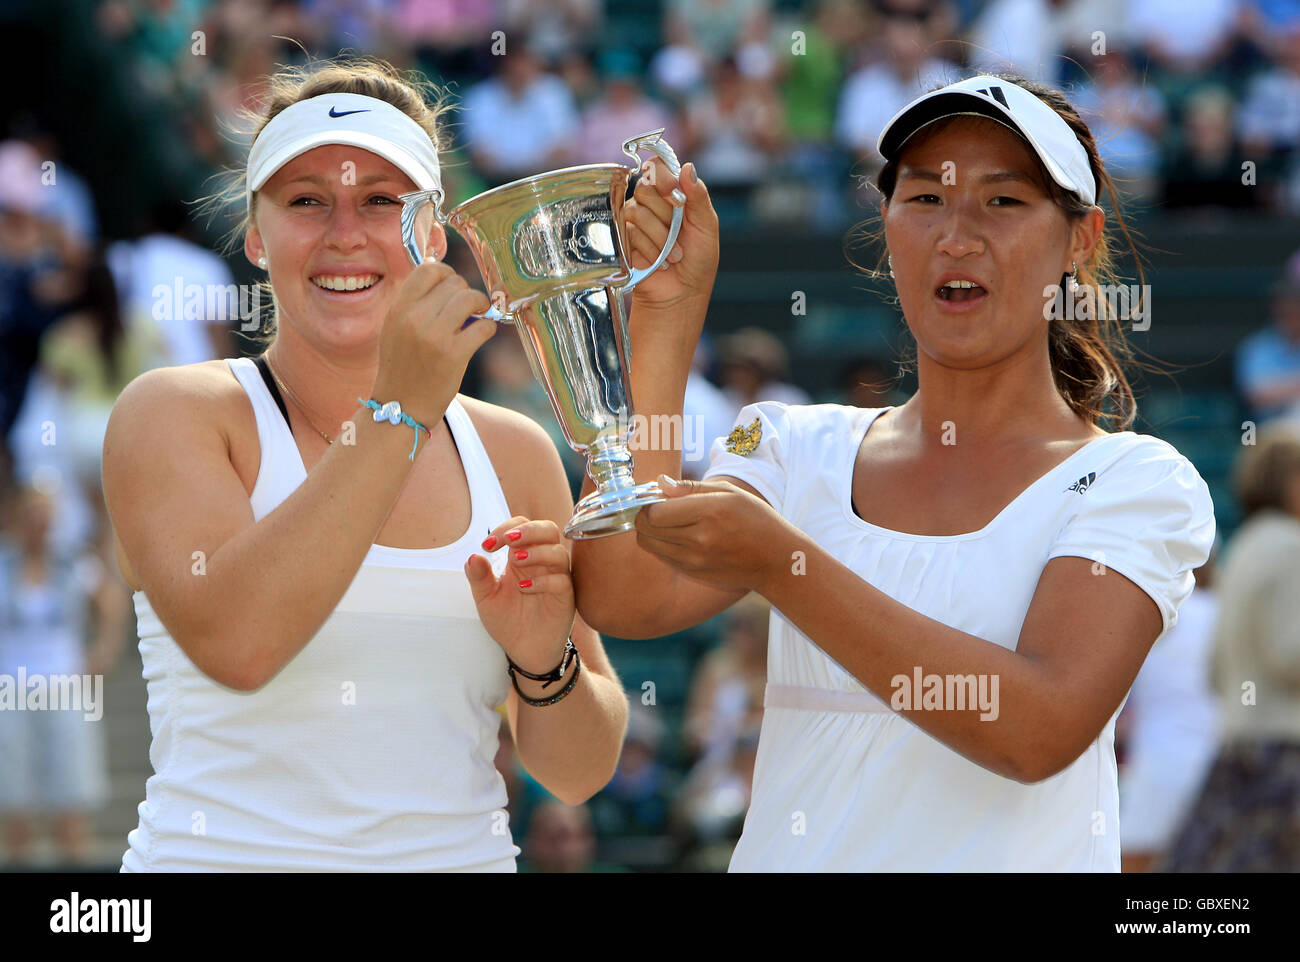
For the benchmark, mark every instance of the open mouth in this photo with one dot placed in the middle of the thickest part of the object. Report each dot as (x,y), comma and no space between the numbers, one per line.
(346,283)
(960,292)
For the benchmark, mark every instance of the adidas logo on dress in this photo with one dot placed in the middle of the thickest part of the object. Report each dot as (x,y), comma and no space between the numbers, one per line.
(1082,484)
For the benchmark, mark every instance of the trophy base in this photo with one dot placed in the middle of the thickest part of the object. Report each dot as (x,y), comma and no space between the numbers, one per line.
(613,511)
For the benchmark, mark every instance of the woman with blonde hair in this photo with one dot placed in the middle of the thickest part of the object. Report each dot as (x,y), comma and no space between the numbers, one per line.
(964,586)
(323,645)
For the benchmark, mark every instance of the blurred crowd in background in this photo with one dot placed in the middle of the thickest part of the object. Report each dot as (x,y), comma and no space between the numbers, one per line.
(1196,106)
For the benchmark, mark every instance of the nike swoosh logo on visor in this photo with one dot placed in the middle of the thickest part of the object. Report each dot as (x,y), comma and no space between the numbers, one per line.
(335,112)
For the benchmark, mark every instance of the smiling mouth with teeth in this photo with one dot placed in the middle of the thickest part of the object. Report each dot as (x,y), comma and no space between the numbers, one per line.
(355,282)
(958,291)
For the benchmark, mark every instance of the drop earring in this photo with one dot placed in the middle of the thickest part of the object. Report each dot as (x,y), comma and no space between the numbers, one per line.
(890,259)
(1073,282)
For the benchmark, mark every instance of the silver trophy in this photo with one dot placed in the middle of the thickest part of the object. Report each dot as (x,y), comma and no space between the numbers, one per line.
(552,253)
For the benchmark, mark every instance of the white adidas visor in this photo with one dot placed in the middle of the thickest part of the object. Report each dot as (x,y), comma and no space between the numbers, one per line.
(1010,105)
(352,119)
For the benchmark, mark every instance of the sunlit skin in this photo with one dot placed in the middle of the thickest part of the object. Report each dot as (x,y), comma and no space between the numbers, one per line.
(997,226)
(308,223)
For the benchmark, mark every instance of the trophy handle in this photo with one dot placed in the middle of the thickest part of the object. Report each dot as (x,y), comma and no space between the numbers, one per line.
(655,143)
(412,203)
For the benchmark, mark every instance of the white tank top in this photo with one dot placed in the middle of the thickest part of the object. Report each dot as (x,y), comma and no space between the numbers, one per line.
(372,748)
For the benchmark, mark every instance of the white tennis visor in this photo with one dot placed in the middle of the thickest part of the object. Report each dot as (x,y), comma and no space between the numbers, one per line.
(1010,105)
(352,119)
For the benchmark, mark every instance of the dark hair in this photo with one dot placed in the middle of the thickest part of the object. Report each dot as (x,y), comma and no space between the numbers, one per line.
(1266,470)
(1088,354)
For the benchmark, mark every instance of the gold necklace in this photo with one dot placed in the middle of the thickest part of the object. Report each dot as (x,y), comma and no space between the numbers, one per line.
(294,398)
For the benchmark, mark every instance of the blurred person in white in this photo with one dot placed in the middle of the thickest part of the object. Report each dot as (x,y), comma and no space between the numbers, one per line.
(67,198)
(1129,118)
(179,301)
(1247,817)
(1184,38)
(1268,361)
(736,127)
(624,111)
(707,414)
(521,121)
(726,697)
(700,33)
(53,761)
(879,90)
(1171,719)
(1020,35)
(1269,119)
(752,367)
(553,29)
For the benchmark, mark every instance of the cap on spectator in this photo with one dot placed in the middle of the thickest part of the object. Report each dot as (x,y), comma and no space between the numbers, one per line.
(1010,105)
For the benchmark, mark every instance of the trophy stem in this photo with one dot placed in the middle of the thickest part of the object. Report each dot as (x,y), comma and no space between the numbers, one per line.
(613,506)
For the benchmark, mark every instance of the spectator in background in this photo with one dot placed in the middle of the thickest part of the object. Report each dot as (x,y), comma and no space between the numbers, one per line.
(53,761)
(1128,117)
(1269,120)
(1020,36)
(875,93)
(700,33)
(1247,818)
(1207,169)
(35,283)
(1184,38)
(811,78)
(752,363)
(637,801)
(553,29)
(520,122)
(726,697)
(1268,361)
(560,839)
(623,112)
(707,412)
(179,301)
(735,129)
(1266,22)
(1171,720)
(448,37)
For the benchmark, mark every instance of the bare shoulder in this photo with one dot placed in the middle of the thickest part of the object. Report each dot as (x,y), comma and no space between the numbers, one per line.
(523,454)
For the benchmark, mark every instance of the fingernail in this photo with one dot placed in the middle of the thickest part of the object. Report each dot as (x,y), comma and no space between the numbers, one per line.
(514,535)
(695,176)
(490,543)
(521,555)
(526,583)
(665,480)
(676,255)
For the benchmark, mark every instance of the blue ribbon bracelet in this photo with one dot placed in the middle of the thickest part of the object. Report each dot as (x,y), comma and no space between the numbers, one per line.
(392,413)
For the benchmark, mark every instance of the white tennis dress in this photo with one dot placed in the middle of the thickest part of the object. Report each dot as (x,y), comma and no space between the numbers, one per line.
(373,748)
(841,783)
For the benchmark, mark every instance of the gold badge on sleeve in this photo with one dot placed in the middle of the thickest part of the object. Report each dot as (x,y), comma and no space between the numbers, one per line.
(744,440)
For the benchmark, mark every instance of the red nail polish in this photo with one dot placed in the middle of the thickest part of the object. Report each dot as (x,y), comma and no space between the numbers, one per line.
(526,583)
(490,543)
(521,555)
(514,535)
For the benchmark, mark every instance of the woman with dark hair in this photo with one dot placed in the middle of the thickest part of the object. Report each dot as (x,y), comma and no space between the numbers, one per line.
(965,585)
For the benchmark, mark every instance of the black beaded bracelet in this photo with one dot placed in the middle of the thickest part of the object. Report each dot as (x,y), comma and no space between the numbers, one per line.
(555,674)
(559,695)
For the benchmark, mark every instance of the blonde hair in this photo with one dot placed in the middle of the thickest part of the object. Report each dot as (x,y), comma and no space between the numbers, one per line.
(408,91)
(1267,470)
